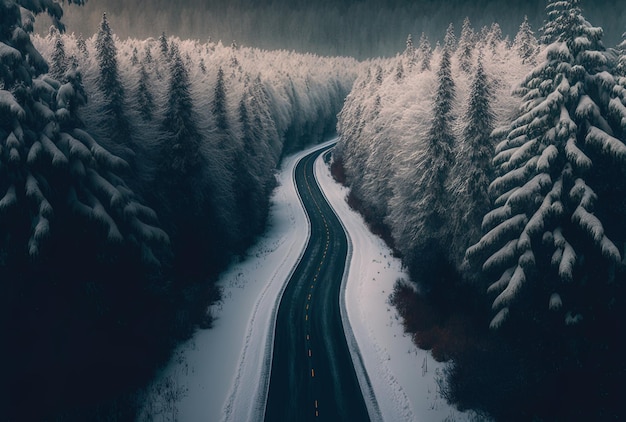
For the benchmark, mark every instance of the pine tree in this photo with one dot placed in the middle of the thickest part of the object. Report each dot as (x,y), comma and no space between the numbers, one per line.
(449,40)
(399,71)
(410,53)
(423,237)
(115,117)
(494,38)
(134,59)
(466,46)
(544,202)
(180,124)
(219,108)
(163,46)
(58,61)
(51,167)
(525,42)
(145,98)
(473,170)
(106,54)
(82,46)
(425,52)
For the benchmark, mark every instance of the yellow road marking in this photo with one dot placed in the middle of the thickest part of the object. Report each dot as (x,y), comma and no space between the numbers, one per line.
(312,373)
(306,317)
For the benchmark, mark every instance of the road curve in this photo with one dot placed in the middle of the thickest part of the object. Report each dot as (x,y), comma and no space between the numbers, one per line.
(312,374)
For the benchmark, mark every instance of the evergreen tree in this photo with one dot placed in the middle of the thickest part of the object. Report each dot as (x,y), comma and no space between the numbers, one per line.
(425,52)
(163,46)
(114,117)
(106,54)
(219,108)
(544,201)
(82,46)
(473,170)
(144,95)
(449,40)
(525,42)
(410,53)
(180,124)
(147,59)
(423,239)
(466,46)
(58,61)
(42,138)
(494,38)
(134,59)
(181,179)
(399,71)
(560,14)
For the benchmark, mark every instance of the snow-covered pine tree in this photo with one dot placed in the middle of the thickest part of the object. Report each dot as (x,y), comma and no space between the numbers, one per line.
(134,59)
(544,230)
(163,46)
(423,237)
(145,99)
(219,107)
(449,40)
(410,52)
(260,106)
(58,61)
(82,46)
(252,161)
(182,182)
(114,116)
(48,165)
(494,38)
(473,170)
(525,42)
(425,52)
(466,46)
(183,138)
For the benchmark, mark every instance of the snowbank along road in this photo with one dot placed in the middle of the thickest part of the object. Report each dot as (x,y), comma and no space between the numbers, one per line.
(312,374)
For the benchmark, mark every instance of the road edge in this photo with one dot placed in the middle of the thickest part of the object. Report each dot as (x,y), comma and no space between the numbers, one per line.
(367,390)
(257,403)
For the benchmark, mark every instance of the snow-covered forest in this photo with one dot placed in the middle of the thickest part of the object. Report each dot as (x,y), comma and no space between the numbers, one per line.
(134,171)
(497,170)
(131,173)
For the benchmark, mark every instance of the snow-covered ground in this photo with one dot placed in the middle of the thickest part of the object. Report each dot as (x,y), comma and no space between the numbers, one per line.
(403,377)
(222,373)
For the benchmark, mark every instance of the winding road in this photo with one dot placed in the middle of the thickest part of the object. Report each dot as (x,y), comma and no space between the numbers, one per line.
(312,373)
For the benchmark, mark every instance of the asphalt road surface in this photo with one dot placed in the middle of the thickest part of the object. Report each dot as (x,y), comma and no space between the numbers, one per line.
(312,375)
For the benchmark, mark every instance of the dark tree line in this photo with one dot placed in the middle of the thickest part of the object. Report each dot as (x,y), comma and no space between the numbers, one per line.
(130,174)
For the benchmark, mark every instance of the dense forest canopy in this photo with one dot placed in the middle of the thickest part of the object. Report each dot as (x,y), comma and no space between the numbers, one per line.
(358,28)
(497,171)
(490,155)
(131,173)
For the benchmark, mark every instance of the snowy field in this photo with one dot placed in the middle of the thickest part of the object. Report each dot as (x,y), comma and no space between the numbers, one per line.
(221,374)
